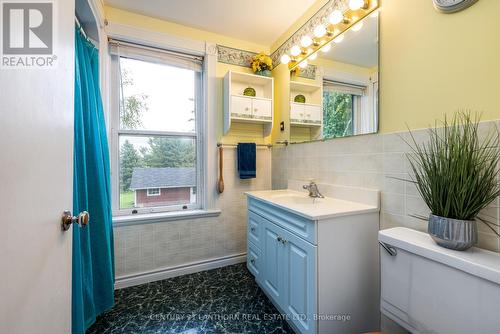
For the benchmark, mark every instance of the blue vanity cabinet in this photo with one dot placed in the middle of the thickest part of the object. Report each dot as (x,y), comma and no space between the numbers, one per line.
(287,268)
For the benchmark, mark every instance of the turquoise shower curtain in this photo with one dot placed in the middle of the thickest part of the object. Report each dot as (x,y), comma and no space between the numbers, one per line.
(93,258)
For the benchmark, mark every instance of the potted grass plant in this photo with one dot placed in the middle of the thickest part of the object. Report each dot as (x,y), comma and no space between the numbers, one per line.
(457,174)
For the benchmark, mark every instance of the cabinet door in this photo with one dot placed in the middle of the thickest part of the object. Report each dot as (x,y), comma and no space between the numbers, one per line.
(272,260)
(300,289)
(313,114)
(296,112)
(241,107)
(262,109)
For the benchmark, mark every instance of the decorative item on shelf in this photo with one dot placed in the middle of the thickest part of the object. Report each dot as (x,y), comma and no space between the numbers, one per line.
(262,64)
(249,91)
(300,99)
(295,72)
(456,173)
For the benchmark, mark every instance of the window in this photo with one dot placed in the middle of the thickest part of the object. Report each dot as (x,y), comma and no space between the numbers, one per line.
(341,103)
(154,192)
(156,102)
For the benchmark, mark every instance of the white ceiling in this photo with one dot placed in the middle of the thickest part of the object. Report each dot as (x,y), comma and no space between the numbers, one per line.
(257,21)
(358,47)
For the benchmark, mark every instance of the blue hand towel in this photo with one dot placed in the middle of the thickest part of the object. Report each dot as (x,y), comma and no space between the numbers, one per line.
(247,160)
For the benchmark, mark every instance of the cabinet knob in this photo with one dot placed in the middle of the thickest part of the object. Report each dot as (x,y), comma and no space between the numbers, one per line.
(252,229)
(256,109)
(279,239)
(252,261)
(246,109)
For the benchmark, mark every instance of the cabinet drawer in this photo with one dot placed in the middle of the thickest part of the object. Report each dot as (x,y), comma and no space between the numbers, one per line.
(253,260)
(302,227)
(254,229)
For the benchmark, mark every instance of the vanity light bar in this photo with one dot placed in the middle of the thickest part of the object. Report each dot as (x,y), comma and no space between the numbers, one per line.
(358,11)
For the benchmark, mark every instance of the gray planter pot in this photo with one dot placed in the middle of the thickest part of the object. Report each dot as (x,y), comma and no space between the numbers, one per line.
(453,233)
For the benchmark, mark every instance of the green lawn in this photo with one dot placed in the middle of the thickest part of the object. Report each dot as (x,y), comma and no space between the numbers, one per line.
(127,200)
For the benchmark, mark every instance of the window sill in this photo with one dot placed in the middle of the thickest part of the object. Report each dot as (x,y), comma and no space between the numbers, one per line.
(149,218)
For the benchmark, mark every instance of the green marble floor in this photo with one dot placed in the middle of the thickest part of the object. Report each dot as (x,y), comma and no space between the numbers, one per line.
(223,300)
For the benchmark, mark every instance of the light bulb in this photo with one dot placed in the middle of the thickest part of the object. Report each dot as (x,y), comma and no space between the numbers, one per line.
(336,17)
(285,59)
(356,4)
(295,50)
(303,64)
(326,48)
(338,39)
(313,56)
(319,31)
(305,41)
(357,26)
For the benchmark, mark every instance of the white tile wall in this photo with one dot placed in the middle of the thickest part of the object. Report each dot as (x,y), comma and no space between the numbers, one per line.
(150,247)
(372,161)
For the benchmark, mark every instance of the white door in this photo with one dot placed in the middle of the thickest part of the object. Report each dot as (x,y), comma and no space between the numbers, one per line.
(313,114)
(262,109)
(296,112)
(36,168)
(241,106)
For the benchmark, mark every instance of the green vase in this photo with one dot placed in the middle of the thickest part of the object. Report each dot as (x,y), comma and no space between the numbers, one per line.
(264,73)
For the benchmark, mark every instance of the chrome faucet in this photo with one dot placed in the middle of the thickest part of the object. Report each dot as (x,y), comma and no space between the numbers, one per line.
(312,187)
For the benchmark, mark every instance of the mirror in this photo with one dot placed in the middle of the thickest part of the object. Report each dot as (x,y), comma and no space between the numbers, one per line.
(336,93)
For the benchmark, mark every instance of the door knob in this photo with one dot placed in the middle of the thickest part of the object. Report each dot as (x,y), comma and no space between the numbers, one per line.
(67,219)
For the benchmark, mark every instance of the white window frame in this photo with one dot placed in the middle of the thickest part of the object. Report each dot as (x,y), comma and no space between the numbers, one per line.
(149,194)
(198,135)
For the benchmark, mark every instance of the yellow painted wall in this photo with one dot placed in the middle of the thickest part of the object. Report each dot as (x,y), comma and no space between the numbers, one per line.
(432,63)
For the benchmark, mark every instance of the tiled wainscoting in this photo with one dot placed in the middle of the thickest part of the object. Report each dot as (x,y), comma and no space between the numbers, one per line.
(153,247)
(372,161)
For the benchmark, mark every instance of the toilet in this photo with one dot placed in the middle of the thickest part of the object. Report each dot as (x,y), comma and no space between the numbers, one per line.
(429,289)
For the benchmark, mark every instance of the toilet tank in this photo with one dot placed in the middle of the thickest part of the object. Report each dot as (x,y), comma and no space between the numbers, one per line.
(429,289)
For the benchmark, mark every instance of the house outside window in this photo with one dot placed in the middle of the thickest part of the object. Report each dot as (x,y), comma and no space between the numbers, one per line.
(157,99)
(153,192)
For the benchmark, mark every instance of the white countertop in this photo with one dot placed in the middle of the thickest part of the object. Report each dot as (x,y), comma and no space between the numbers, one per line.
(300,203)
(475,261)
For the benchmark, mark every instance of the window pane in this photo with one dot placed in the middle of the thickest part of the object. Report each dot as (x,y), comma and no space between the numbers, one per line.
(337,114)
(157,171)
(157,97)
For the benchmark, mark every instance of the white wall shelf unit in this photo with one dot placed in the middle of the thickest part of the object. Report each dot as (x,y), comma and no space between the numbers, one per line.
(248,109)
(310,113)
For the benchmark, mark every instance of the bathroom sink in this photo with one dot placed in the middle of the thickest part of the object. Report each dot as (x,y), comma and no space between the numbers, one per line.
(292,198)
(300,203)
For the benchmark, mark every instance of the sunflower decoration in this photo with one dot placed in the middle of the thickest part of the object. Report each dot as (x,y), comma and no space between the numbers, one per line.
(261,63)
(296,71)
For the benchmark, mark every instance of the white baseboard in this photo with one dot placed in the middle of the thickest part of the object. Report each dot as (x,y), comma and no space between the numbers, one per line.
(188,268)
